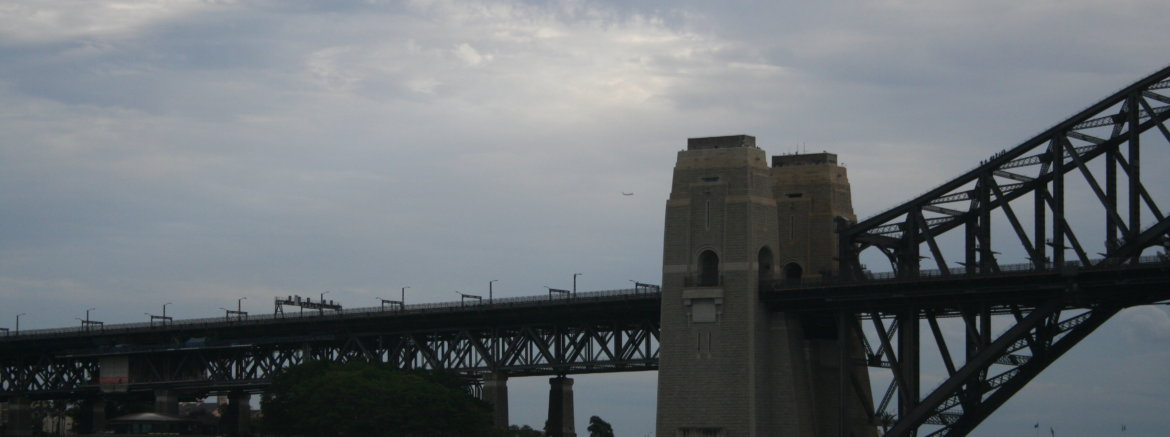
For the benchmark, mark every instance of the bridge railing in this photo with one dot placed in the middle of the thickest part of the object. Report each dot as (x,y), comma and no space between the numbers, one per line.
(954,273)
(352,312)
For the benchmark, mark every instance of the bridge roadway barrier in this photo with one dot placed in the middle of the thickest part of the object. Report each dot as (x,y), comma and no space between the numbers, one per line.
(407,310)
(1019,285)
(590,332)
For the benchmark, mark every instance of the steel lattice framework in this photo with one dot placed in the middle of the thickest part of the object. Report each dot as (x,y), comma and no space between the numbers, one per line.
(1077,182)
(591,333)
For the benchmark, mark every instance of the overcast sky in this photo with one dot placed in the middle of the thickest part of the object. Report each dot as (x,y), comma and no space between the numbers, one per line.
(197,152)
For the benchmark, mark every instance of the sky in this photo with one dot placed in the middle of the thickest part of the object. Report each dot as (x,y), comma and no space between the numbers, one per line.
(200,152)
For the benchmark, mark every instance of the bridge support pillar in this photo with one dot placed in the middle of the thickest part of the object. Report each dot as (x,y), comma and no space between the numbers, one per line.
(92,418)
(561,422)
(495,392)
(237,416)
(738,228)
(166,402)
(19,421)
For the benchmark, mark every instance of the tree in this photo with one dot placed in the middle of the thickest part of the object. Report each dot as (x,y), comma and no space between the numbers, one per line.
(599,428)
(362,399)
(523,431)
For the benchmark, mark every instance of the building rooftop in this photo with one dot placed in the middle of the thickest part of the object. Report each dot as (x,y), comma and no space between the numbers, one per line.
(804,159)
(721,142)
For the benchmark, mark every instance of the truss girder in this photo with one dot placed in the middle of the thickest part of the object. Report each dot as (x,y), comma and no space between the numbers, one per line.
(535,349)
(1001,331)
(1098,149)
(988,371)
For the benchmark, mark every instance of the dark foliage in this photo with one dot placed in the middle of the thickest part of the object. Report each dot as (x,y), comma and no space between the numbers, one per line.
(362,399)
(599,428)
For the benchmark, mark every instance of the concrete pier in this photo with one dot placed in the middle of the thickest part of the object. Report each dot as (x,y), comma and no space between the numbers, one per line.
(237,417)
(91,416)
(561,422)
(19,421)
(166,402)
(495,392)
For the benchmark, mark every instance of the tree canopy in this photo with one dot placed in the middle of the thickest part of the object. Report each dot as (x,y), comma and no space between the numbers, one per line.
(362,399)
(599,428)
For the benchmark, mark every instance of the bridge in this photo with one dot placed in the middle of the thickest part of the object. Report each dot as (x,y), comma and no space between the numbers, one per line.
(737,322)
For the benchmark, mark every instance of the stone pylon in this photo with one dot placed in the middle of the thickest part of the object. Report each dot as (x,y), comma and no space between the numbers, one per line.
(735,227)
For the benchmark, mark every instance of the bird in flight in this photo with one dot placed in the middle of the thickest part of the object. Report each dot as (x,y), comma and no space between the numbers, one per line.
(627,194)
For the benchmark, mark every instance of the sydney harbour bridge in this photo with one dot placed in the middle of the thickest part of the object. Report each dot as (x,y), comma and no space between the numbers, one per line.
(1071,208)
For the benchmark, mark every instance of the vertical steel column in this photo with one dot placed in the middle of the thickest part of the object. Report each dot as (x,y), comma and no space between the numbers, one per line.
(983,191)
(970,231)
(1110,200)
(908,353)
(1040,211)
(909,257)
(971,390)
(1135,180)
(1058,223)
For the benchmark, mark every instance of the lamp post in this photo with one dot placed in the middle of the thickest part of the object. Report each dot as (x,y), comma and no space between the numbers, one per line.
(403,296)
(490,298)
(18,322)
(575,275)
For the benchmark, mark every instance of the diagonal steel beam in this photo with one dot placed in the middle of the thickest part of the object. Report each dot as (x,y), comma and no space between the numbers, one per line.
(986,356)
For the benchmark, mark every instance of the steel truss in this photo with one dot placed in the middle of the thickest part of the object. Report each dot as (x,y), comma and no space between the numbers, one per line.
(45,373)
(995,367)
(1041,168)
(942,329)
(606,336)
(1100,151)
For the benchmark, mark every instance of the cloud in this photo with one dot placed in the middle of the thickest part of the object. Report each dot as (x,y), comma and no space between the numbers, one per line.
(1146,324)
(466,53)
(58,20)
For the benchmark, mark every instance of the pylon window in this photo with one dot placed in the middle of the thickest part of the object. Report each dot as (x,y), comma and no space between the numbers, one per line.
(708,269)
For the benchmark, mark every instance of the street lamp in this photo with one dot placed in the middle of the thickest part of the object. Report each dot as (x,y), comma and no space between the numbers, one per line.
(575,275)
(403,297)
(490,289)
(18,322)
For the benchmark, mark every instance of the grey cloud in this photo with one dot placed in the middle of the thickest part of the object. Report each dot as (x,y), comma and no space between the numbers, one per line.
(1147,324)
